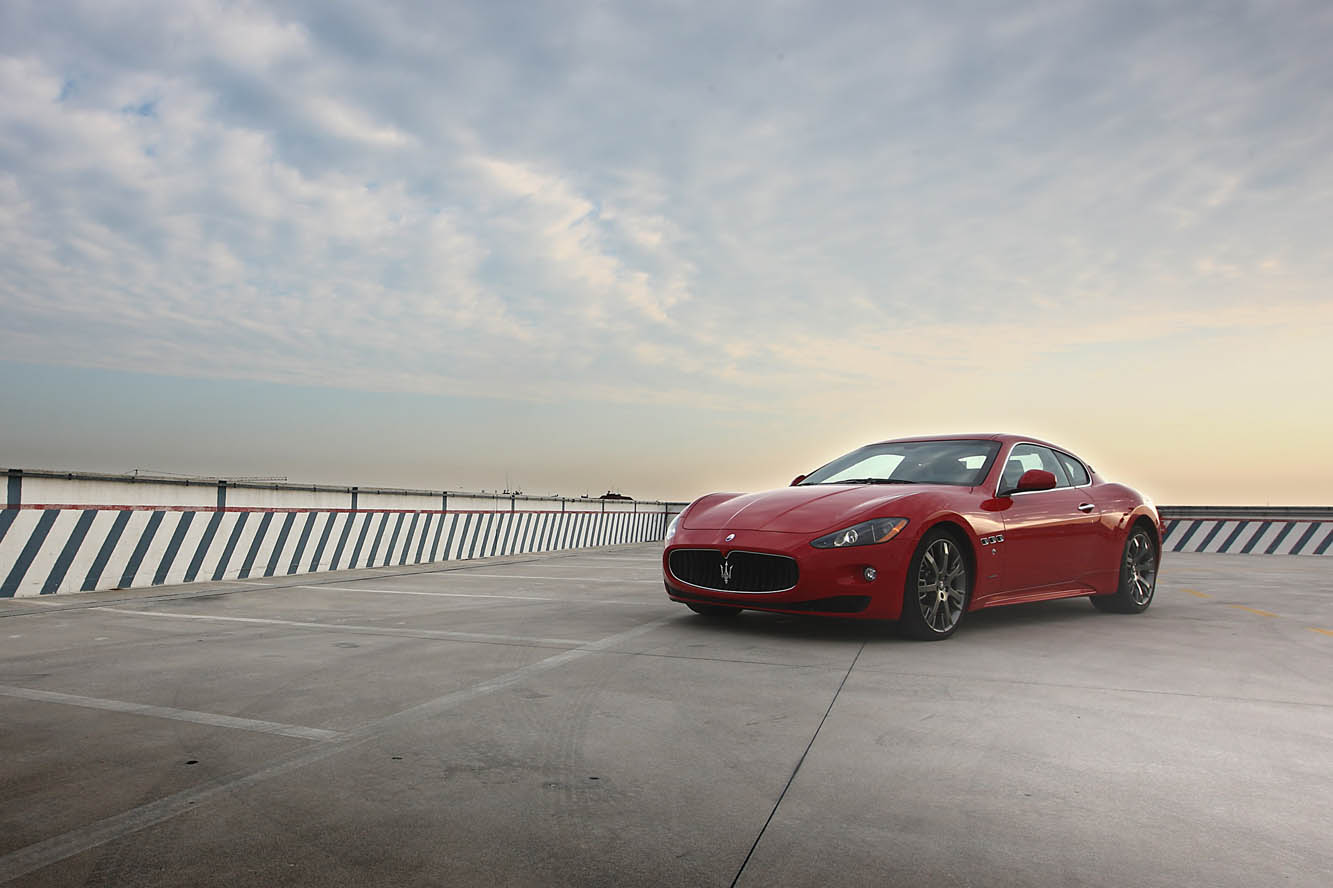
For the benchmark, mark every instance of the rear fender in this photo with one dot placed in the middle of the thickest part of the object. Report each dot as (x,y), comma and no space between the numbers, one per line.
(1118,518)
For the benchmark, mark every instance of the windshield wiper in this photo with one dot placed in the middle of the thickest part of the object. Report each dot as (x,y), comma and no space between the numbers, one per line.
(869,481)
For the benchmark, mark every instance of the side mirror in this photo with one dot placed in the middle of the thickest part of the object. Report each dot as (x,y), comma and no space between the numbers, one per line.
(1035,479)
(797,480)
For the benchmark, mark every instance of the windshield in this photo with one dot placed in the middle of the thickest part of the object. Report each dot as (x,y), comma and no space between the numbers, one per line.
(963,463)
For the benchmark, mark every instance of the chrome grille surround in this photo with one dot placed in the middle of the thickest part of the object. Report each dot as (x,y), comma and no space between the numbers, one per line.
(750,573)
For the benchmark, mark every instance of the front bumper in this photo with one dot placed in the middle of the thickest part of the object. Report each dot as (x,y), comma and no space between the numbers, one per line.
(830,581)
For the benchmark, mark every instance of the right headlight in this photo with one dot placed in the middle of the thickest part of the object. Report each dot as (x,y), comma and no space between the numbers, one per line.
(671,528)
(867,533)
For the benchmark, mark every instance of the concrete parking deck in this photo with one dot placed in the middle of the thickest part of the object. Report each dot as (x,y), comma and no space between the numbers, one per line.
(555,720)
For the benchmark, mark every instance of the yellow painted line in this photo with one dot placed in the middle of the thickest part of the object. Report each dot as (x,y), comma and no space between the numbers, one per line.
(1324,631)
(1197,594)
(1252,610)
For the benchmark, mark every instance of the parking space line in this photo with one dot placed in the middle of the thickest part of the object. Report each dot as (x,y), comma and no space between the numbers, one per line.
(468,573)
(654,602)
(1253,610)
(370,630)
(571,601)
(331,587)
(98,601)
(565,579)
(57,848)
(186,715)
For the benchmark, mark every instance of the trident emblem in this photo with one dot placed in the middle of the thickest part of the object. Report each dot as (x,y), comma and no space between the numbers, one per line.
(726,572)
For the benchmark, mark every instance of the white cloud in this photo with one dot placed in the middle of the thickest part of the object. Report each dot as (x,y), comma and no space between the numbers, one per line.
(639,205)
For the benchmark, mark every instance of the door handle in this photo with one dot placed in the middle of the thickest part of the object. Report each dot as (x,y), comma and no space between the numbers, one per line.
(1086,507)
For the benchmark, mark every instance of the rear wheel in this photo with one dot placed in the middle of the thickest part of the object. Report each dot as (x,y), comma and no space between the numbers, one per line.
(935,596)
(1138,576)
(713,610)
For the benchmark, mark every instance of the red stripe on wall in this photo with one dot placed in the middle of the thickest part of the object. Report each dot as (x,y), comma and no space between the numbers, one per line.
(107,508)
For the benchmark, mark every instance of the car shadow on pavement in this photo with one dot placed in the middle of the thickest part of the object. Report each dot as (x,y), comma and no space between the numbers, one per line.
(791,626)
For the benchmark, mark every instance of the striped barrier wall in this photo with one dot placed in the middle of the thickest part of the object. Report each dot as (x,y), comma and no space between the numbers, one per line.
(1252,531)
(54,547)
(49,549)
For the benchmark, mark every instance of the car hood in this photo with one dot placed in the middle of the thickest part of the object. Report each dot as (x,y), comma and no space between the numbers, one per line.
(807,509)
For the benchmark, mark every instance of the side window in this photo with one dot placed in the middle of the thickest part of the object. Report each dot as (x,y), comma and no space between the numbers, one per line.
(1078,476)
(1029,456)
(1021,458)
(1052,465)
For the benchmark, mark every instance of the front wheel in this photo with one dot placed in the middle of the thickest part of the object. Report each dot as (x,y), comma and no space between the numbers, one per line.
(935,596)
(1138,577)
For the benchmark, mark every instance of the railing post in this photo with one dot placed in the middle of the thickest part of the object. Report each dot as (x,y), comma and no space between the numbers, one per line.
(14,492)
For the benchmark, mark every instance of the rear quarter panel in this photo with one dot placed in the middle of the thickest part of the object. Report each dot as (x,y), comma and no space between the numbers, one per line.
(1120,507)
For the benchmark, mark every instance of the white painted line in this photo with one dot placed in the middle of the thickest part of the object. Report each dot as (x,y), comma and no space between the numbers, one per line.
(335,587)
(186,715)
(662,602)
(338,588)
(343,627)
(57,848)
(534,577)
(479,595)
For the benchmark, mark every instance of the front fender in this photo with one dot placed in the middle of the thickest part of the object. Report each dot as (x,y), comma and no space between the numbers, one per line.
(986,560)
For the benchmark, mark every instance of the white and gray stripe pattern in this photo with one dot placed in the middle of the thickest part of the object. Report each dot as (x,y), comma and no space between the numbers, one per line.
(1249,536)
(81,549)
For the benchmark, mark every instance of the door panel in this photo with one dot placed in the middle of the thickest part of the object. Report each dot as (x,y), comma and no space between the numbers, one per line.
(1050,536)
(1048,540)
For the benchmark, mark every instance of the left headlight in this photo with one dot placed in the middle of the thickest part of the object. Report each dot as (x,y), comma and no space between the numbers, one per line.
(867,533)
(671,528)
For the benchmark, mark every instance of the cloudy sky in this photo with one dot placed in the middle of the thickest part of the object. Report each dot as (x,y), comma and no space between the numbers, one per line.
(666,247)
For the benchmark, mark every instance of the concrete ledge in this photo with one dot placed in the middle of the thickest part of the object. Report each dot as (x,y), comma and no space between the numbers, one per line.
(1249,513)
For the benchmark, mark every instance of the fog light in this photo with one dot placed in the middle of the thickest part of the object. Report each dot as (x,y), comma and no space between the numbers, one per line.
(870,574)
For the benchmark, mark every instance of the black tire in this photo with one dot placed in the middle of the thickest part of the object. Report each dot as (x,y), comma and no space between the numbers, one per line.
(713,610)
(935,596)
(1138,575)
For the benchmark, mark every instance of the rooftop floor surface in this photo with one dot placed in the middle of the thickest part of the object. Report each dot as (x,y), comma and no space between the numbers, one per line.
(554,720)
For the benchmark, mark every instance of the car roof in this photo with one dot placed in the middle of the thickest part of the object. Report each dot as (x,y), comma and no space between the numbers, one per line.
(1002,437)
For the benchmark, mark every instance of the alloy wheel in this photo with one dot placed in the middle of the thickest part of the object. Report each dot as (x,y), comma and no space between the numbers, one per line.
(941,585)
(1140,568)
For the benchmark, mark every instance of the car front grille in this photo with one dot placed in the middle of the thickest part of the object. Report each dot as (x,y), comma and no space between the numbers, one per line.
(737,572)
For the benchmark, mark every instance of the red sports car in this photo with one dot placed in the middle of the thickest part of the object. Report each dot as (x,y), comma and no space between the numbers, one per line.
(922,531)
